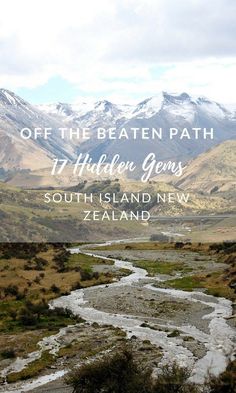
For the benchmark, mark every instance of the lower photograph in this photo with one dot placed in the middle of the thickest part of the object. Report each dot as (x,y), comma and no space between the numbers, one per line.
(118,316)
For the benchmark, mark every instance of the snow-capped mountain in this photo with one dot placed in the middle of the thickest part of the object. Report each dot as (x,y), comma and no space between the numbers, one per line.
(17,153)
(88,113)
(148,107)
(176,104)
(163,110)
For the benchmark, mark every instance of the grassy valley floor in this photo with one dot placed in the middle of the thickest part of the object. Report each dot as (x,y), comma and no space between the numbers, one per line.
(34,274)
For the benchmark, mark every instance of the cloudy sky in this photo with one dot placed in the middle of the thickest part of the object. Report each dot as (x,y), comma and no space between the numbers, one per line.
(121,50)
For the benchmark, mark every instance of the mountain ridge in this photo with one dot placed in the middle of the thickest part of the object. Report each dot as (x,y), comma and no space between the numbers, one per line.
(147,107)
(164,110)
(17,153)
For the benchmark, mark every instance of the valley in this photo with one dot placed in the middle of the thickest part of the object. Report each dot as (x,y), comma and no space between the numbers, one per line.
(71,292)
(144,306)
(56,215)
(204,169)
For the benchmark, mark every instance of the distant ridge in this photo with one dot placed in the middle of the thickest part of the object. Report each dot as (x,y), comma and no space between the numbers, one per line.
(163,110)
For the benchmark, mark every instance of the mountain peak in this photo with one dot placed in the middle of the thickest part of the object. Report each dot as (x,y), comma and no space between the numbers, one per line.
(7,97)
(177,104)
(150,106)
(103,105)
(176,96)
(64,109)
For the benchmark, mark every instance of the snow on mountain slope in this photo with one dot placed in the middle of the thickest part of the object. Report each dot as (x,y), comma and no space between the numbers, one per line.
(148,107)
(90,115)
(175,104)
(18,153)
(187,106)
(163,110)
(66,110)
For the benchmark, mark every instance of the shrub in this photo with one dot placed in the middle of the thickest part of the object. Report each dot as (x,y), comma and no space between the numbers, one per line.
(118,373)
(225,383)
(40,263)
(113,374)
(27,318)
(13,314)
(226,247)
(60,259)
(173,379)
(37,279)
(76,286)
(85,275)
(11,290)
(96,275)
(21,250)
(55,289)
(179,245)
(30,314)
(8,353)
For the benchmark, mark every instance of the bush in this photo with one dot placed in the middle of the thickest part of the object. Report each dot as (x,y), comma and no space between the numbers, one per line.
(179,245)
(118,373)
(76,286)
(8,354)
(113,374)
(85,275)
(37,280)
(173,379)
(226,247)
(11,290)
(27,318)
(30,314)
(13,314)
(61,259)
(40,263)
(55,289)
(21,250)
(225,383)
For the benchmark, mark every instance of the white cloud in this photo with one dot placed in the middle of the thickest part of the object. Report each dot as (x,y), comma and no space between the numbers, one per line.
(112,47)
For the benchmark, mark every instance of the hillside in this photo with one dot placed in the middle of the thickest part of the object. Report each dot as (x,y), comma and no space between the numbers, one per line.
(25,217)
(212,172)
(17,153)
(164,110)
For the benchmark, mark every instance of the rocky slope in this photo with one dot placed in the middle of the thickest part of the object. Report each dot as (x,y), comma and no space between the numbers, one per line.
(213,171)
(165,110)
(17,153)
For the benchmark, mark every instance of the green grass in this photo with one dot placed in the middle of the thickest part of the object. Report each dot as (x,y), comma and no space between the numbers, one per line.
(7,324)
(32,369)
(48,322)
(188,283)
(86,262)
(220,292)
(85,349)
(158,267)
(7,305)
